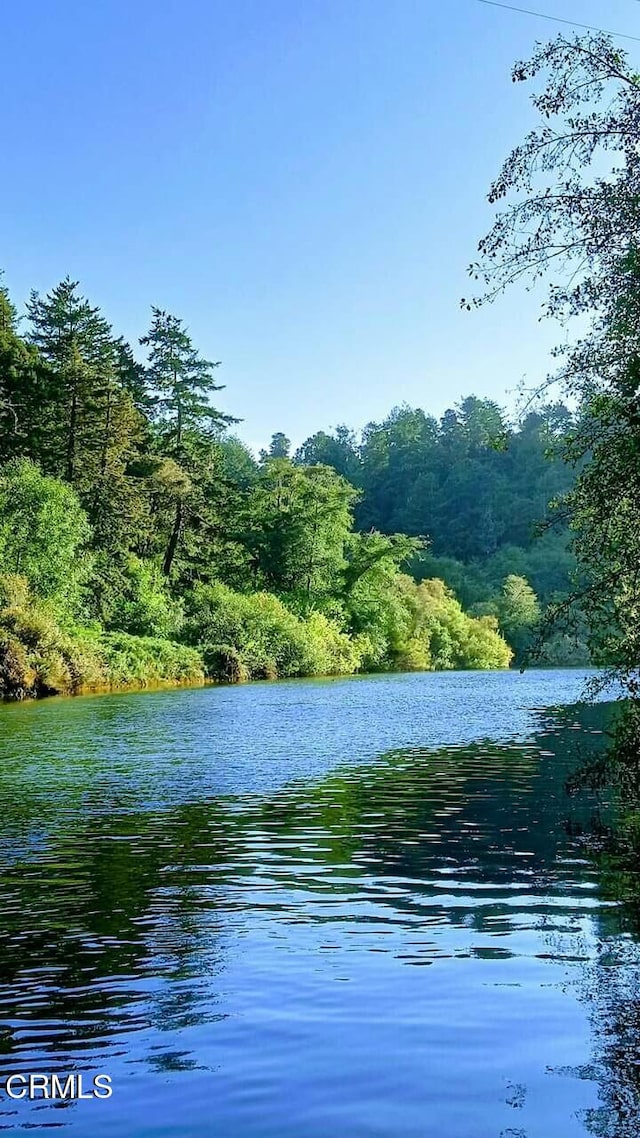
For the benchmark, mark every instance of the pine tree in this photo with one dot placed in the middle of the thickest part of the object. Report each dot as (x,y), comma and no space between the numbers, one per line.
(182,383)
(75,342)
(93,425)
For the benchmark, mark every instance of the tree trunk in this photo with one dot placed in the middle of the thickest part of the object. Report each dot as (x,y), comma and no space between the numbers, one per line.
(173,541)
(71,438)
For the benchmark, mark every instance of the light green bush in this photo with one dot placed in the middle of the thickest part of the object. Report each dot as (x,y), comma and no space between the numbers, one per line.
(135,599)
(37,656)
(146,661)
(43,532)
(255,636)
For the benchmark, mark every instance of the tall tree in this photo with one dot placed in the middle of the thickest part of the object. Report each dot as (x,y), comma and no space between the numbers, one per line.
(75,341)
(339,450)
(92,425)
(279,447)
(182,383)
(572,191)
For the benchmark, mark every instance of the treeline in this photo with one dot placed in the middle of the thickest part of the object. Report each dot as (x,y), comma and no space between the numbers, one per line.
(141,541)
(480,491)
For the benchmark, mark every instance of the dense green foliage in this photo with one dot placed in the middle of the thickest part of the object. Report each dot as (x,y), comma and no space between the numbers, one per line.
(570,192)
(569,204)
(141,542)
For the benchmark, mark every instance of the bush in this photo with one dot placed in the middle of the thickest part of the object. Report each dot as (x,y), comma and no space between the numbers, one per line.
(448,636)
(38,657)
(255,636)
(145,661)
(43,530)
(331,652)
(133,598)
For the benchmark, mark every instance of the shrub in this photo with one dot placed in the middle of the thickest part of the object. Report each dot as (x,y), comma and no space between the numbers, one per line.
(255,636)
(331,652)
(43,530)
(145,661)
(37,656)
(134,598)
(433,632)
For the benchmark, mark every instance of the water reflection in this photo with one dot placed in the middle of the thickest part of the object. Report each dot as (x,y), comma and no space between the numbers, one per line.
(416,944)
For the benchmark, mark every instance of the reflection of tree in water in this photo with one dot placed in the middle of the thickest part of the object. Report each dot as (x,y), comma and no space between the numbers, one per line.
(90,922)
(611,985)
(123,922)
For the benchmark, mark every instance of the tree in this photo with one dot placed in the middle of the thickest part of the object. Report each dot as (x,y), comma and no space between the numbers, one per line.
(92,428)
(279,447)
(564,215)
(518,613)
(182,384)
(239,465)
(339,450)
(298,524)
(22,388)
(75,341)
(42,531)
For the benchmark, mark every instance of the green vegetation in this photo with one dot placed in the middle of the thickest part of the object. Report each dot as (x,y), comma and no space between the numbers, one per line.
(141,542)
(568,198)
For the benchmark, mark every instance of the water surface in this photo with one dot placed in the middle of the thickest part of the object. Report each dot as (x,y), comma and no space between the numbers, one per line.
(360,908)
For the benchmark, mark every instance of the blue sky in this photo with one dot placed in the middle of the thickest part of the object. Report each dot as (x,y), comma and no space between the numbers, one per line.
(304,181)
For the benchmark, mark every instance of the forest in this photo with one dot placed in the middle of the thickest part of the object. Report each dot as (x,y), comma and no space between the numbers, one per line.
(141,542)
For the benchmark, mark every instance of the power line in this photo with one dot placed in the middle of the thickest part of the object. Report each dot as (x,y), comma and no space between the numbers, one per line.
(558,19)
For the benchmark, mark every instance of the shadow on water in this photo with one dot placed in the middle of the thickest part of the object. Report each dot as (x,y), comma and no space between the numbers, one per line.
(428,941)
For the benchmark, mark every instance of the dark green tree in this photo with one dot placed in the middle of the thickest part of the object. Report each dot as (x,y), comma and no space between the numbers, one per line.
(182,383)
(299,519)
(23,385)
(338,450)
(279,447)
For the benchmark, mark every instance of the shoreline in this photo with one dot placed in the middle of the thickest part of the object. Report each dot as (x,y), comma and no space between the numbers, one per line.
(90,690)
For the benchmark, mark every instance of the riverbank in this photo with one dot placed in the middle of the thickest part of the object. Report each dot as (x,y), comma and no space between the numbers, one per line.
(230,637)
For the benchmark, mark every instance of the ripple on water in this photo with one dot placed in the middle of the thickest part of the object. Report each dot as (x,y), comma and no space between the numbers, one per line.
(303,909)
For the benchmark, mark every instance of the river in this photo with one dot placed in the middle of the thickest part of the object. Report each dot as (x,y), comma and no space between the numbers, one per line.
(358,908)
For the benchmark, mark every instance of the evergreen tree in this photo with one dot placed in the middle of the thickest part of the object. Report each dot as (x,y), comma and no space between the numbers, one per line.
(182,384)
(299,519)
(74,340)
(93,428)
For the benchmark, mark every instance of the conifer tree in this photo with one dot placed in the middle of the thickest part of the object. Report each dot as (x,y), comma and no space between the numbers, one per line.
(94,427)
(182,383)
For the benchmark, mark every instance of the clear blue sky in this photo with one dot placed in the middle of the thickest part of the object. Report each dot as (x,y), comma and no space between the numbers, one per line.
(303,181)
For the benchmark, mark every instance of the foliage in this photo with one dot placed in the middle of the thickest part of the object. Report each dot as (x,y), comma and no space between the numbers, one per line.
(256,637)
(182,383)
(42,532)
(471,482)
(412,626)
(140,522)
(147,661)
(445,635)
(36,656)
(299,520)
(572,191)
(518,613)
(135,599)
